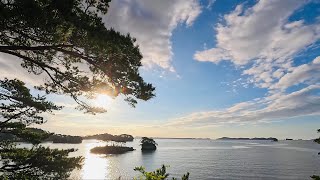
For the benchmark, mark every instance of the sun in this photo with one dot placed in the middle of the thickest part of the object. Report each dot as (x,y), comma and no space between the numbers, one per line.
(103,100)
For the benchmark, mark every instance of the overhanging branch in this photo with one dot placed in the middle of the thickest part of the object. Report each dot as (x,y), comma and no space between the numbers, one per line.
(33,48)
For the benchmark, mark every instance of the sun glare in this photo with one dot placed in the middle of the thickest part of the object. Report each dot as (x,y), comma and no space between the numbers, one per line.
(103,100)
(95,167)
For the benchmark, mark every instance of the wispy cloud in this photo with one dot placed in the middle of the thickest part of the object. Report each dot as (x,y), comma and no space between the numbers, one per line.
(277,106)
(306,73)
(210,4)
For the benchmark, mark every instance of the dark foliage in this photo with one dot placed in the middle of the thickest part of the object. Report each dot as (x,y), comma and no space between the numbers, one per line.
(110,137)
(146,140)
(60,138)
(18,109)
(36,163)
(148,144)
(158,174)
(67,41)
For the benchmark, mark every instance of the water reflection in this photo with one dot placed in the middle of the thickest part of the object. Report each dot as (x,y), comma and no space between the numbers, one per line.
(100,166)
(95,166)
(148,152)
(147,158)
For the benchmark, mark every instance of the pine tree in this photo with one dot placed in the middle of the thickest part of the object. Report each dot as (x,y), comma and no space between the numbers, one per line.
(19,109)
(67,41)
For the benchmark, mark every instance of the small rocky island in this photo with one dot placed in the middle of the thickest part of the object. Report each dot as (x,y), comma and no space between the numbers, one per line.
(117,146)
(111,150)
(148,144)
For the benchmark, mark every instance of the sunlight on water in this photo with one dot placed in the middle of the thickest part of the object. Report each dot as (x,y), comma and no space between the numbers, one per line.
(240,147)
(95,166)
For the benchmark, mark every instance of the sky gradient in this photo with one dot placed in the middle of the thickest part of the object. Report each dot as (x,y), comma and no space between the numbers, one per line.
(240,69)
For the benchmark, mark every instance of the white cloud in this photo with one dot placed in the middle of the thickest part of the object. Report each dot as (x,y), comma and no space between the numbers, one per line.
(152,23)
(316,60)
(306,73)
(213,55)
(278,73)
(262,42)
(278,106)
(262,38)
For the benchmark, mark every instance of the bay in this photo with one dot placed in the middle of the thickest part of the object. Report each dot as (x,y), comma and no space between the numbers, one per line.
(204,159)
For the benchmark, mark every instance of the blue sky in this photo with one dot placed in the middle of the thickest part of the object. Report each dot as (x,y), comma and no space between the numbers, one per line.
(221,68)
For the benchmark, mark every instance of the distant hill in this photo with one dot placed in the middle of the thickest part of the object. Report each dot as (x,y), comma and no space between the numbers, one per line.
(61,138)
(231,138)
(55,138)
(110,137)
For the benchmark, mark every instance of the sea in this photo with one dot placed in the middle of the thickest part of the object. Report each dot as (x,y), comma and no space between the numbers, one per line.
(203,159)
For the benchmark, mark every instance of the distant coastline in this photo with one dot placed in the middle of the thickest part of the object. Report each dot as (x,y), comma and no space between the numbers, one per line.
(139,137)
(260,138)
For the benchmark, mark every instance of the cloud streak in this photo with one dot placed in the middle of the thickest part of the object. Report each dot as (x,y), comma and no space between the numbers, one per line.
(278,106)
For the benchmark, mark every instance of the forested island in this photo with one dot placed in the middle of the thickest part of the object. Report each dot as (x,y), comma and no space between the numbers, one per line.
(148,144)
(48,137)
(111,150)
(110,137)
(231,138)
(62,138)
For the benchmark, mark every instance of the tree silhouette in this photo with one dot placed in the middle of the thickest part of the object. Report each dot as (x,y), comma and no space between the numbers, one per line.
(158,174)
(18,109)
(146,140)
(67,41)
(148,144)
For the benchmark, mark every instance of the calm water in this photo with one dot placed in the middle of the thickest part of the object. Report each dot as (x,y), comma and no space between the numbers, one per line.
(205,159)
